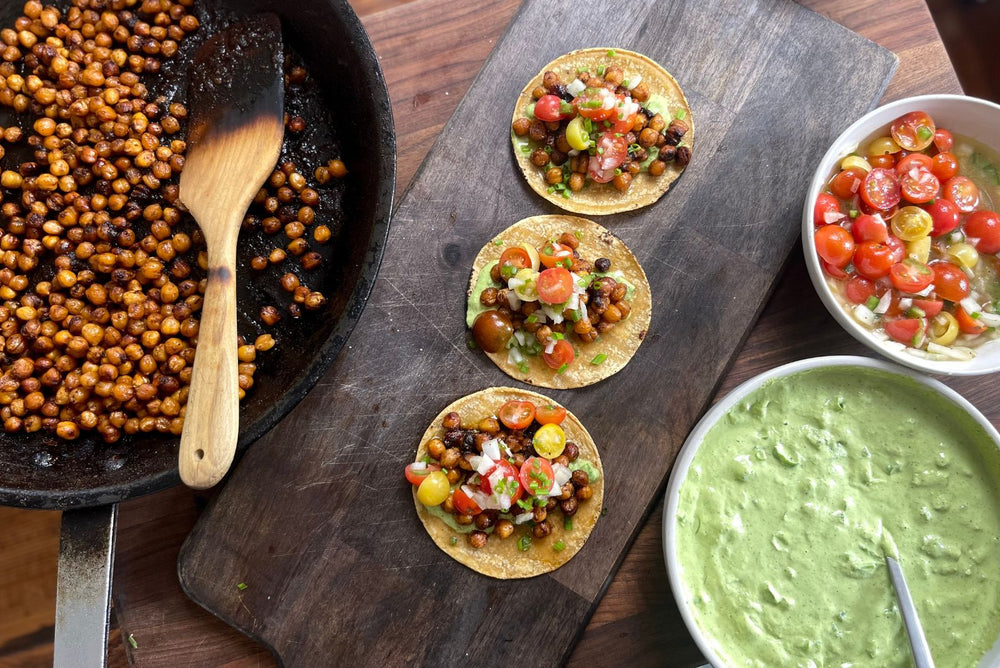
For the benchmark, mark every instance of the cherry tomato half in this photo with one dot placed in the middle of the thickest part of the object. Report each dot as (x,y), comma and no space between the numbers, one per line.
(913,131)
(554,252)
(624,117)
(869,228)
(874,260)
(945,166)
(904,330)
(517,414)
(550,108)
(846,183)
(537,476)
(967,324)
(416,476)
(550,414)
(918,160)
(509,484)
(597,104)
(880,189)
(512,260)
(910,275)
(930,307)
(611,153)
(561,354)
(963,192)
(943,141)
(950,282)
(835,245)
(945,216)
(919,186)
(984,227)
(826,204)
(555,285)
(859,290)
(464,503)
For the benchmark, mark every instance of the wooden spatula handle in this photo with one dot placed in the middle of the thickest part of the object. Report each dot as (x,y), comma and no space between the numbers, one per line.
(211,420)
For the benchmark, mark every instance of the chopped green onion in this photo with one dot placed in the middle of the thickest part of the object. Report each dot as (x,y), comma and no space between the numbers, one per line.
(871,303)
(625,83)
(471,344)
(525,148)
(523,543)
(599,359)
(531,318)
(577,315)
(915,312)
(607,124)
(454,540)
(578,234)
(562,368)
(565,107)
(581,70)
(600,70)
(568,524)
(523,367)
(924,133)
(618,171)
(680,115)
(611,53)
(132,642)
(592,104)
(558,546)
(558,336)
(600,151)
(853,213)
(241,586)
(498,242)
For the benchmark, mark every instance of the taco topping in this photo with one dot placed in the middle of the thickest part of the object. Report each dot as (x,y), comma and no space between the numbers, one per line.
(512,472)
(604,126)
(542,300)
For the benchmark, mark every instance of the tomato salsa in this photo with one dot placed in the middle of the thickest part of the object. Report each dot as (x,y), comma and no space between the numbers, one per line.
(907,233)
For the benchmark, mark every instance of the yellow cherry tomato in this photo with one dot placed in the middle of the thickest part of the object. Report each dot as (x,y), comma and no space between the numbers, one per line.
(549,441)
(919,249)
(855,161)
(911,223)
(532,255)
(434,489)
(525,284)
(576,134)
(964,254)
(943,329)
(883,145)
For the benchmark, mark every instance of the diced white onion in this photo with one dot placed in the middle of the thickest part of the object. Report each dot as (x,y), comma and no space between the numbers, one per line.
(573,152)
(513,301)
(855,184)
(894,345)
(550,346)
(562,474)
(418,466)
(506,449)
(522,518)
(960,353)
(884,303)
(576,87)
(832,217)
(484,501)
(515,283)
(864,315)
(495,478)
(634,81)
(905,303)
(989,319)
(574,302)
(491,449)
(519,336)
(552,314)
(505,502)
(926,291)
(514,356)
(970,305)
(880,334)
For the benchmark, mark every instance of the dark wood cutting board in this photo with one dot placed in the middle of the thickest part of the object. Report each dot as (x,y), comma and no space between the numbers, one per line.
(317,520)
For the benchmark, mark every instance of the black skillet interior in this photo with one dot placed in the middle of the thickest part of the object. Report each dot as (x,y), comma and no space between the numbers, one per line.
(348,115)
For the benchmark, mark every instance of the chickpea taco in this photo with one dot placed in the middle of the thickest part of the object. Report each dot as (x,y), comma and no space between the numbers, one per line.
(558,301)
(601,131)
(507,482)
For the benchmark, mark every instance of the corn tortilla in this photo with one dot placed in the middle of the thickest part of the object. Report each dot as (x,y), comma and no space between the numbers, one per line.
(501,558)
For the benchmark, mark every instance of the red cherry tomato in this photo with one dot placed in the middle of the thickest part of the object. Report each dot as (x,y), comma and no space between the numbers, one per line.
(847,182)
(945,215)
(967,324)
(537,476)
(555,285)
(904,330)
(898,248)
(611,153)
(464,503)
(911,160)
(858,290)
(510,484)
(950,282)
(416,476)
(554,252)
(984,226)
(910,275)
(513,259)
(883,160)
(550,108)
(831,270)
(963,192)
(550,414)
(880,189)
(835,245)
(919,186)
(869,228)
(930,307)
(826,204)
(943,141)
(517,414)
(624,117)
(561,354)
(945,166)
(597,104)
(874,260)
(913,131)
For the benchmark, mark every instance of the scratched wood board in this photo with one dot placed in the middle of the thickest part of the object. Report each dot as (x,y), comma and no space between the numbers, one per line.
(317,519)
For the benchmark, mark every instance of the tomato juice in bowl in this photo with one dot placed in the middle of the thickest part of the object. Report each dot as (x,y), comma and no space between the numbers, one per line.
(912,270)
(791,490)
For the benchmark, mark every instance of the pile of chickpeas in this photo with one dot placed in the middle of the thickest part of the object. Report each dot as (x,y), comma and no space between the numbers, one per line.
(101,282)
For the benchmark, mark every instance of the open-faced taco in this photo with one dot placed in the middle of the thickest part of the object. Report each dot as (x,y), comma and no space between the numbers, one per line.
(558,301)
(600,131)
(507,482)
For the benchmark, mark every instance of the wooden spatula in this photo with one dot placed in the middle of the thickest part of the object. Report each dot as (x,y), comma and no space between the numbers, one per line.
(236,98)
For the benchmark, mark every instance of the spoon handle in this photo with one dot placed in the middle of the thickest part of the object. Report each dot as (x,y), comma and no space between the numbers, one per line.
(918,642)
(211,419)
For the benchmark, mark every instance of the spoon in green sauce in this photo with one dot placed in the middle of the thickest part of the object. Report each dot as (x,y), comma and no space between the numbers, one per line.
(918,642)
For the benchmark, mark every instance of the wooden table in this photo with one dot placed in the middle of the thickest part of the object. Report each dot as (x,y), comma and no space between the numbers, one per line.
(637,620)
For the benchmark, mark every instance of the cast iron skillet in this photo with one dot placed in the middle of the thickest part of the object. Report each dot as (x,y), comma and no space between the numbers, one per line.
(354,120)
(41,471)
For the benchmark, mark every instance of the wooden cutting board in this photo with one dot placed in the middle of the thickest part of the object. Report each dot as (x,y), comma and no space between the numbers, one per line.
(317,520)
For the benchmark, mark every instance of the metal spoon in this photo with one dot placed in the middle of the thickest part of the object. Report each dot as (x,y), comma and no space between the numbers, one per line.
(918,642)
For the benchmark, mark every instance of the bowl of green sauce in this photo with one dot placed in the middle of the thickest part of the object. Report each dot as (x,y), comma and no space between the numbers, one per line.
(789,493)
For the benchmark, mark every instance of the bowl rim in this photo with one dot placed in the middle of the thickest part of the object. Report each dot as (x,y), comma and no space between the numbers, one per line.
(844,141)
(686,454)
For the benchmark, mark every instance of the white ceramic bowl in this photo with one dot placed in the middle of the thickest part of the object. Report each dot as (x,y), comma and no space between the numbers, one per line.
(969,116)
(697,435)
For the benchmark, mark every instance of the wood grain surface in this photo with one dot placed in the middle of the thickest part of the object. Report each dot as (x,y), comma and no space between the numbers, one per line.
(336,566)
(636,621)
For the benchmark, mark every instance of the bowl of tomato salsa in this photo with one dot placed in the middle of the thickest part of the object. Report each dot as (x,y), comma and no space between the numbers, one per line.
(901,232)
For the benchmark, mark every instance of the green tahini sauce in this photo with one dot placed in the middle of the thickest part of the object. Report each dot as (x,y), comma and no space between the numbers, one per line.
(796,495)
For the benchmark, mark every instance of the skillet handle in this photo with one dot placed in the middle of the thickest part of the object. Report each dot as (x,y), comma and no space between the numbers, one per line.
(83,586)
